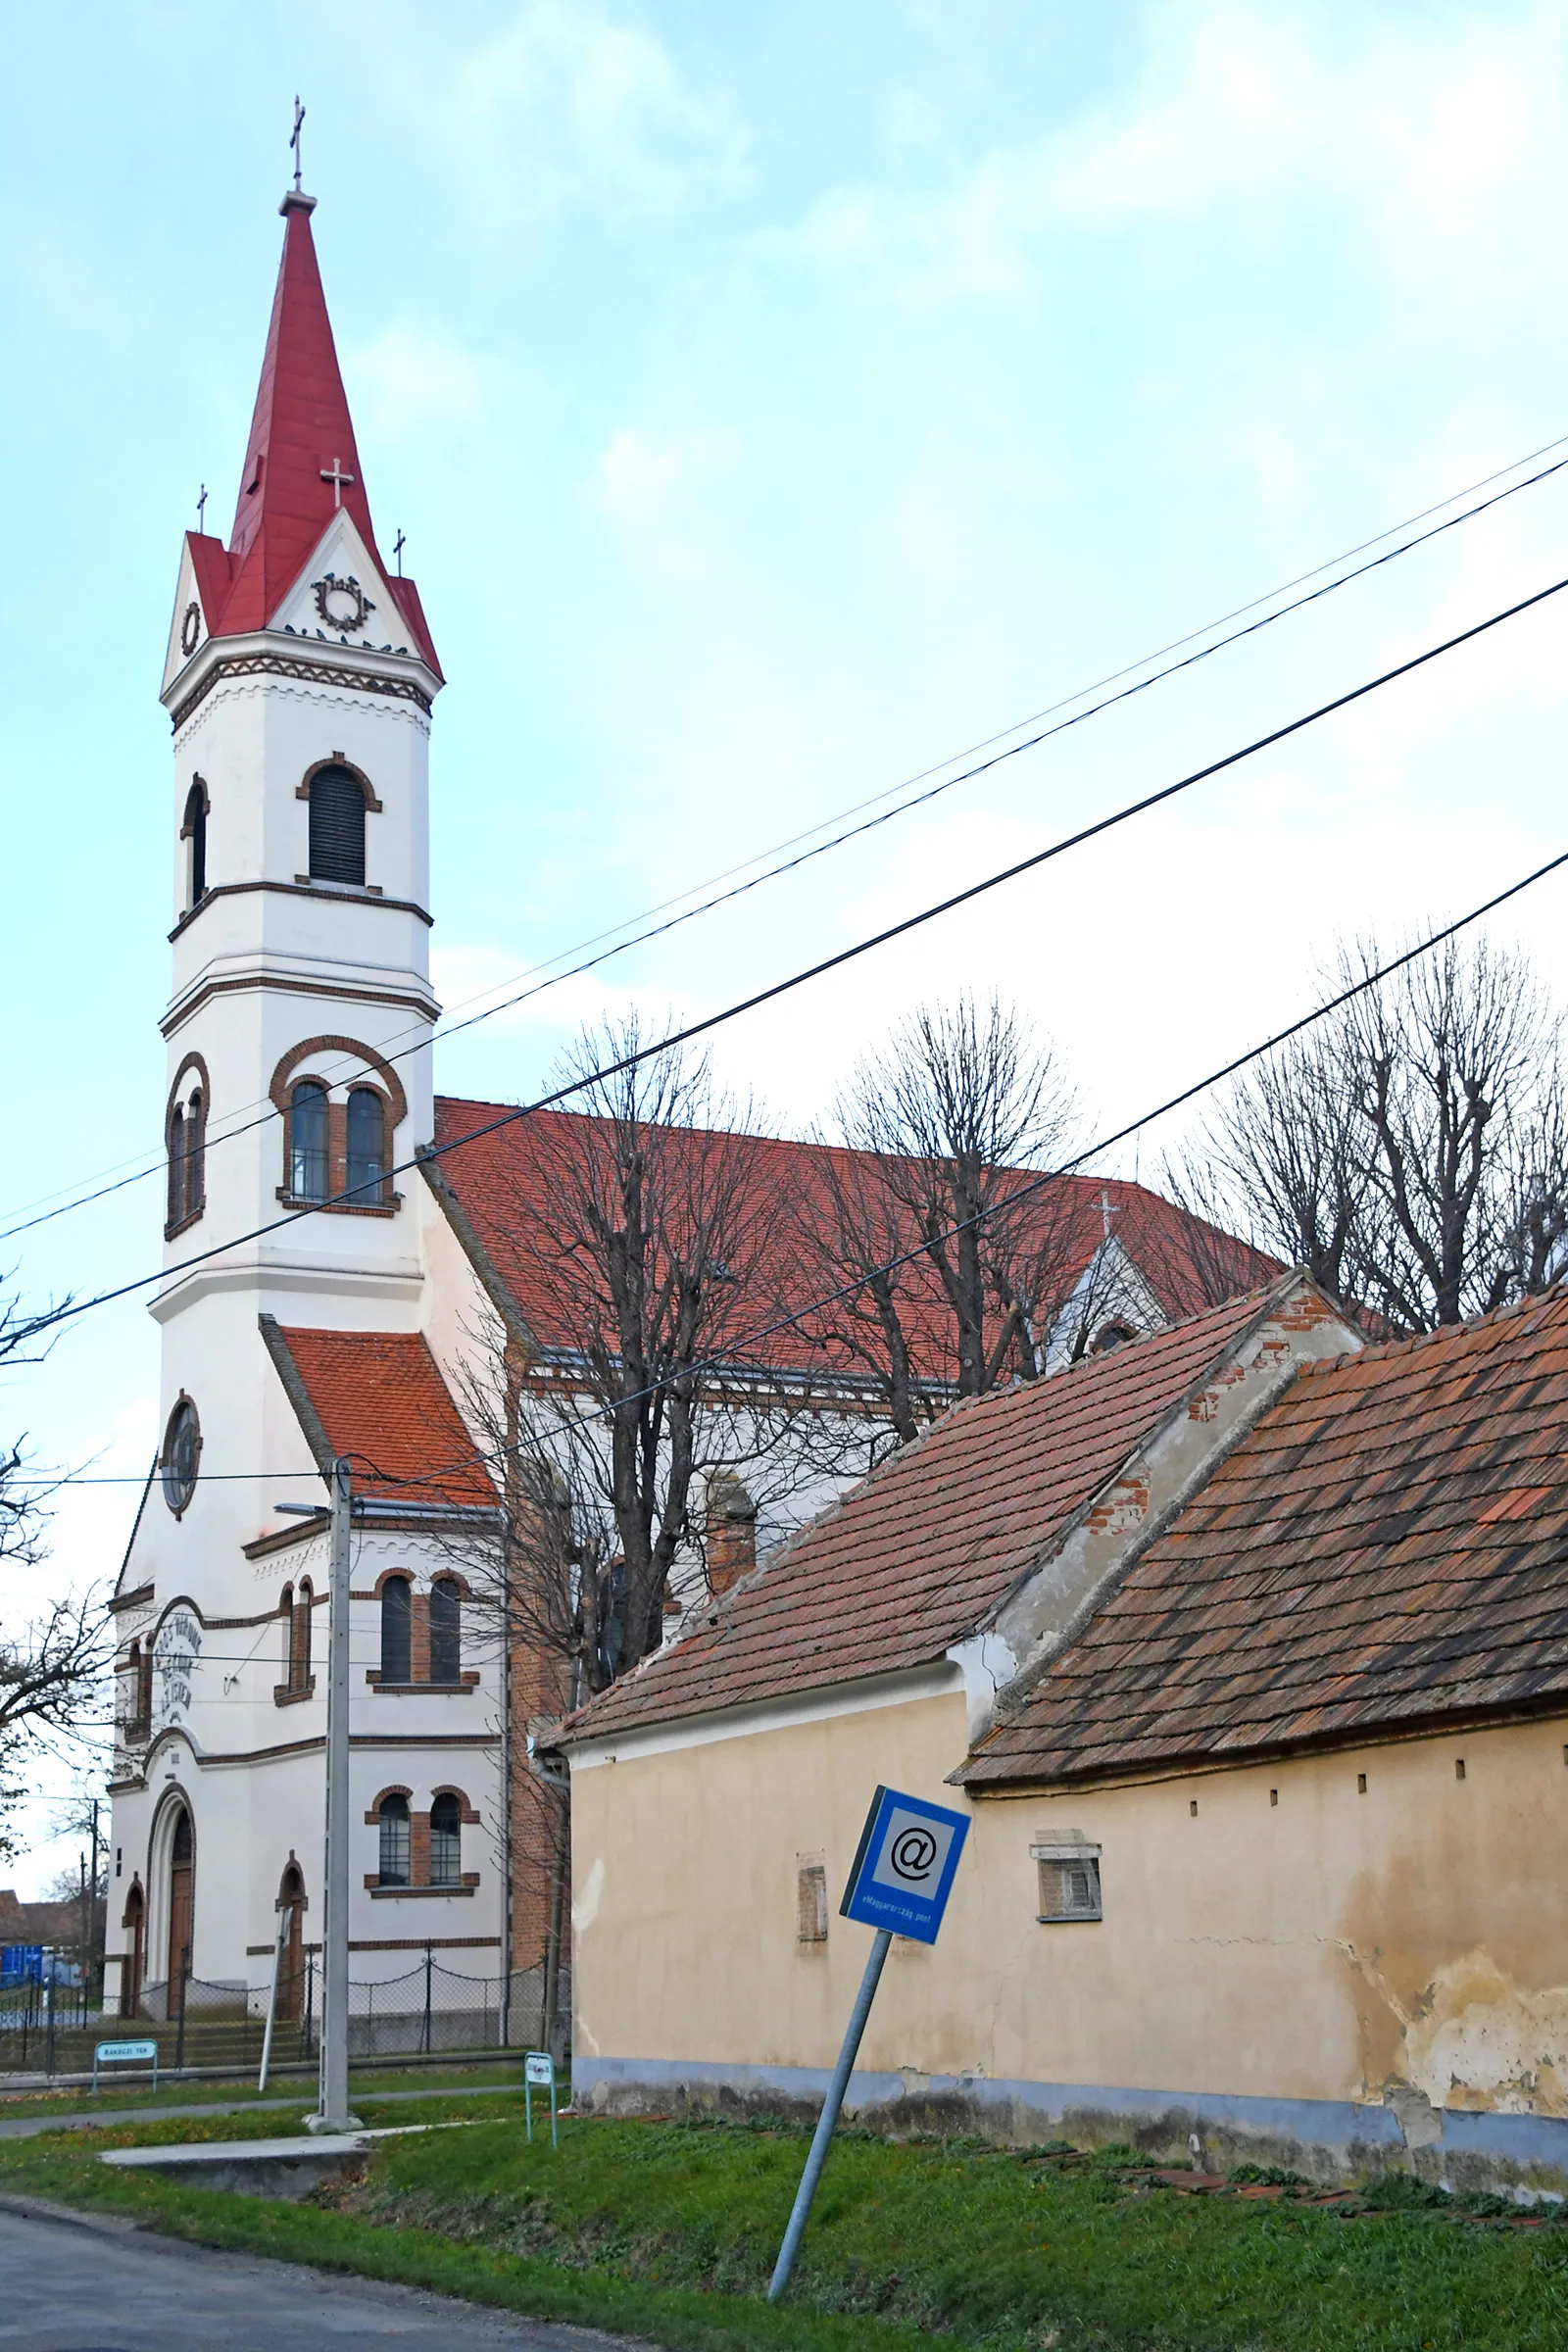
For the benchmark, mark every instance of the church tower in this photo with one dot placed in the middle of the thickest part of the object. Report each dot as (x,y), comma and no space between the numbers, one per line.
(299,681)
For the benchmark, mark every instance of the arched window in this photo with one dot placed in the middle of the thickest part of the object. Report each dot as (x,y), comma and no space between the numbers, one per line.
(194,830)
(176,1166)
(446,1631)
(181,1456)
(446,1842)
(186,1133)
(308,1178)
(299,1637)
(144,1689)
(137,1701)
(397,1626)
(337,826)
(181,1910)
(394,1821)
(367,1146)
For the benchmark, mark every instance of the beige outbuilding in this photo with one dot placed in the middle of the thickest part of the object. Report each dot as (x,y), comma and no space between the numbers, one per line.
(1245,1649)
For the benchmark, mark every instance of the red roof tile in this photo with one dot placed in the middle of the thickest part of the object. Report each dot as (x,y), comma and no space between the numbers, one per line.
(301,425)
(502,1182)
(380,1398)
(1388,1548)
(919,1554)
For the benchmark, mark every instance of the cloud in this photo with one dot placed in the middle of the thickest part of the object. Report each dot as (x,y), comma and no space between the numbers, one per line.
(405,384)
(1423,144)
(603,108)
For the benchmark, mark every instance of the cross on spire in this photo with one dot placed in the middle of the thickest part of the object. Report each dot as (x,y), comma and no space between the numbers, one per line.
(398,545)
(201,511)
(294,139)
(339,480)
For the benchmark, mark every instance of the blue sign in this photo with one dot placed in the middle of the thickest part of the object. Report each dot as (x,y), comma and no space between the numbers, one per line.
(903,1867)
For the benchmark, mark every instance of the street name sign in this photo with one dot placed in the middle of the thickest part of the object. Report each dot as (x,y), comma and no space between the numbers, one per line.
(902,1873)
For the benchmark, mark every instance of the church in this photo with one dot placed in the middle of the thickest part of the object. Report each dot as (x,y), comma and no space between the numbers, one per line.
(339,1240)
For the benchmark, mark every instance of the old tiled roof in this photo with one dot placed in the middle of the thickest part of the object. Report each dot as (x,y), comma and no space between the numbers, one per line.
(918,1555)
(502,1182)
(300,427)
(1388,1547)
(378,1396)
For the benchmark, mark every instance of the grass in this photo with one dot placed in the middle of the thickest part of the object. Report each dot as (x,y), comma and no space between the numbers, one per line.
(669,2231)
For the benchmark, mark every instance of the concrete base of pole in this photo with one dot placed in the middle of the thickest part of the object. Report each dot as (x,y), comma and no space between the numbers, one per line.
(333,2123)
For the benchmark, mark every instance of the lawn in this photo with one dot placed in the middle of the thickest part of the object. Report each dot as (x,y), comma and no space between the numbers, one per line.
(669,2231)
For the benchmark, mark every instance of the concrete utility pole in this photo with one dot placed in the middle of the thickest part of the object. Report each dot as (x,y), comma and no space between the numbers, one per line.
(335,2113)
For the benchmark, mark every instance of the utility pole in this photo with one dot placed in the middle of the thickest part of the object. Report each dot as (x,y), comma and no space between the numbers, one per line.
(333,2102)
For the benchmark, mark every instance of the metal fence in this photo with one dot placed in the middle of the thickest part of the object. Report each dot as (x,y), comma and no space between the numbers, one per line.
(430,2008)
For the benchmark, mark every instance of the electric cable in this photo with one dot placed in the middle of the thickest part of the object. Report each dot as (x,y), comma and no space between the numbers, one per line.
(73,1308)
(553,979)
(1104,1143)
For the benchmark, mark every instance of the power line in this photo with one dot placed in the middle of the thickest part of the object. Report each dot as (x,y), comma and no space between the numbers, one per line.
(732,1363)
(555,979)
(829,963)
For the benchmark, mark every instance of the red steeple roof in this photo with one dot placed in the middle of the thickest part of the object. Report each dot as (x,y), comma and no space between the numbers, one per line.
(301,432)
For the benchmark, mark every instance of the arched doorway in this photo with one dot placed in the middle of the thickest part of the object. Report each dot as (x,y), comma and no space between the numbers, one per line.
(181,1908)
(136,1960)
(291,1969)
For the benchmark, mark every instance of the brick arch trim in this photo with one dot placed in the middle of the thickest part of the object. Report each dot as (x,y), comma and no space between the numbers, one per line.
(373,1816)
(336,760)
(404,1575)
(197,784)
(391,1085)
(450,1576)
(468,1813)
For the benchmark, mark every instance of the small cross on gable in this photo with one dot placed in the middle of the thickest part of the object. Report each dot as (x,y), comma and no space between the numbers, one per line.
(339,480)
(1108,1210)
(398,545)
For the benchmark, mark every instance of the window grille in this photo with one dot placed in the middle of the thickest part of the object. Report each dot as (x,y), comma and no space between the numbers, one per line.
(397,1626)
(446,1631)
(367,1146)
(394,1840)
(337,826)
(810,1903)
(307,1143)
(1069,1881)
(446,1842)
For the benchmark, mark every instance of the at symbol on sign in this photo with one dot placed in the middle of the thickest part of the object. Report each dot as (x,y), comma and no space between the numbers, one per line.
(912,1853)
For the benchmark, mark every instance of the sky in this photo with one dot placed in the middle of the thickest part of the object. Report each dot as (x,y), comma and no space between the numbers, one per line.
(778,401)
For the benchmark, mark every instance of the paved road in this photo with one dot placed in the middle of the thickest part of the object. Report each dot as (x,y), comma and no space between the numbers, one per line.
(82,2287)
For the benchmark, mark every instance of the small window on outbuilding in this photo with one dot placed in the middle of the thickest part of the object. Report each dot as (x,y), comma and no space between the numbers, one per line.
(810,1899)
(1069,1881)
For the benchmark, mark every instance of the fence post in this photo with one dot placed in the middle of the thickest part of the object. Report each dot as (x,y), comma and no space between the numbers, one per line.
(425,2043)
(184,2004)
(49,2006)
(310,2001)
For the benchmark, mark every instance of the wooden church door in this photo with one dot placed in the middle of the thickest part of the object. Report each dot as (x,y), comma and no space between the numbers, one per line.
(181,1910)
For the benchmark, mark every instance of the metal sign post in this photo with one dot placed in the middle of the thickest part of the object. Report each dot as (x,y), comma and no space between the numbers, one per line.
(539,2073)
(899,1885)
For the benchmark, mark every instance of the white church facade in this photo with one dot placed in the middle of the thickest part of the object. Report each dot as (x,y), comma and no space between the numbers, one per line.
(321,1286)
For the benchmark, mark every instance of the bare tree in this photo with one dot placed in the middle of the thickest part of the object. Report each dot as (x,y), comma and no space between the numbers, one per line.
(939,1127)
(52,1664)
(1412,1150)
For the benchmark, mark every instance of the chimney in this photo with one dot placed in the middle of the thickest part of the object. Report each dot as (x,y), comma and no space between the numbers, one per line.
(730,1533)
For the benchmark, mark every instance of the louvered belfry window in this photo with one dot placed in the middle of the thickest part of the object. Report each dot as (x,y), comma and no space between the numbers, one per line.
(1069,1881)
(337,826)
